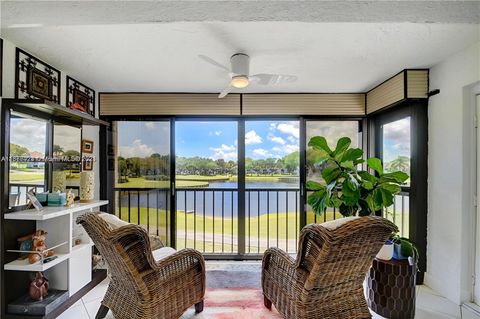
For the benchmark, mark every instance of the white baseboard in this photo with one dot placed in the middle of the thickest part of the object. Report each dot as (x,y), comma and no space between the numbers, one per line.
(470,311)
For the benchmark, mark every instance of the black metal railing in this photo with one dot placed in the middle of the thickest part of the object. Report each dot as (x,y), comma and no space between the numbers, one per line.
(148,207)
(207,218)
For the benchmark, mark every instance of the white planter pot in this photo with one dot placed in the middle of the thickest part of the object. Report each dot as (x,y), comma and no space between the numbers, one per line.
(386,252)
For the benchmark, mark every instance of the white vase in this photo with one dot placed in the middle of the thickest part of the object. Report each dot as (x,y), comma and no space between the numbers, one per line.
(386,252)
(87,186)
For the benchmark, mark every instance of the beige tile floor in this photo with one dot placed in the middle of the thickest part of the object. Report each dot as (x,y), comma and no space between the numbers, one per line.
(430,305)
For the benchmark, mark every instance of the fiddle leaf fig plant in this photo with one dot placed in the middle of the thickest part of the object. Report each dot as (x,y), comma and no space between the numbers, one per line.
(345,186)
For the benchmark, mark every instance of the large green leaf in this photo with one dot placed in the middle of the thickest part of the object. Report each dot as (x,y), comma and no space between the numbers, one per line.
(375,164)
(342,145)
(314,186)
(392,188)
(367,176)
(319,142)
(352,154)
(346,164)
(318,201)
(387,197)
(398,177)
(331,173)
(351,194)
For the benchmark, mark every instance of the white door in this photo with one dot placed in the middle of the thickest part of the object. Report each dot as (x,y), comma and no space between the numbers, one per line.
(476,291)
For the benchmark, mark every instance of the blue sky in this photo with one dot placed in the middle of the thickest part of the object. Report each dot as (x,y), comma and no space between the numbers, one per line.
(215,139)
(396,139)
(263,139)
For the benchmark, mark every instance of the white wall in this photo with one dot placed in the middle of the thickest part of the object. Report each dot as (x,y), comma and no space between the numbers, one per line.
(451,174)
(89,132)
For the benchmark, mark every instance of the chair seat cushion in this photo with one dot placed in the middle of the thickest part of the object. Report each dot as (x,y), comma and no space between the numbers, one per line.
(113,221)
(163,252)
(334,224)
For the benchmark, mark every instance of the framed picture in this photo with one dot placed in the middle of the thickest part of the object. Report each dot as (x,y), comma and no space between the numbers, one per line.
(80,97)
(35,79)
(87,165)
(87,146)
(39,84)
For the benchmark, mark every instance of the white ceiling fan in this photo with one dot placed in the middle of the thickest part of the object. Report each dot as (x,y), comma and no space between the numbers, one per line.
(240,74)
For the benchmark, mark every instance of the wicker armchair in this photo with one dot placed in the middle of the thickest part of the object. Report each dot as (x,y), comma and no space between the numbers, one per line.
(326,279)
(140,286)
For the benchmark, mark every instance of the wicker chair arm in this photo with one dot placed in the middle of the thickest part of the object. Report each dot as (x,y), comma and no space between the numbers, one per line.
(175,269)
(282,269)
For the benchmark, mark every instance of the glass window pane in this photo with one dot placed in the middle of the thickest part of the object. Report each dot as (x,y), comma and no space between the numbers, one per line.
(396,146)
(332,131)
(143,154)
(27,164)
(272,157)
(206,154)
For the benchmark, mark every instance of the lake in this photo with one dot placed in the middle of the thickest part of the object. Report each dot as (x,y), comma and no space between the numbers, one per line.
(212,202)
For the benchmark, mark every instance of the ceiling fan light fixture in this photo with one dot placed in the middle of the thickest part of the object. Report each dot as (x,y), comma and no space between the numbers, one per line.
(239,81)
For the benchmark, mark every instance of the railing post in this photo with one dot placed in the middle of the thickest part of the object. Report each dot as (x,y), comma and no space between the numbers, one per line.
(241,186)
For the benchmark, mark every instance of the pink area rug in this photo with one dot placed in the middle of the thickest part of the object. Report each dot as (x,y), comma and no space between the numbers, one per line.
(234,303)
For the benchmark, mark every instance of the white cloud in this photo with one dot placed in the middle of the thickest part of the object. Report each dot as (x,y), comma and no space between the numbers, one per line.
(276,139)
(290,128)
(216,133)
(29,133)
(150,125)
(260,152)
(138,149)
(251,137)
(398,133)
(285,149)
(226,152)
(292,139)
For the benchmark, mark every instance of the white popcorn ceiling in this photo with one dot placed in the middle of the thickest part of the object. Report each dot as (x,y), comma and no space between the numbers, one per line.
(153,46)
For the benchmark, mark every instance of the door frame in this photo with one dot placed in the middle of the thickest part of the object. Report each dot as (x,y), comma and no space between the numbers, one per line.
(106,188)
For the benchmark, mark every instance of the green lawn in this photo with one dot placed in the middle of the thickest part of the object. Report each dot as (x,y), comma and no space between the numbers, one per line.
(202,178)
(262,227)
(24,176)
(139,182)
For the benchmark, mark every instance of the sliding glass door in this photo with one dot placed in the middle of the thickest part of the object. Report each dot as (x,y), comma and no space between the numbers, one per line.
(233,187)
(142,175)
(206,186)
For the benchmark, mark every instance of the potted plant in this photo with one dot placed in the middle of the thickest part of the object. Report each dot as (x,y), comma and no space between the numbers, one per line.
(346,186)
(404,248)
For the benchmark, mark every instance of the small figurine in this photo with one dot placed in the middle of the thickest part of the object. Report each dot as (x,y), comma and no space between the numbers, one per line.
(38,243)
(70,198)
(38,287)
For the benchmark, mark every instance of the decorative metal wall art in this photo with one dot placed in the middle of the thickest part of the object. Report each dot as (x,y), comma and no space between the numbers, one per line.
(36,79)
(80,97)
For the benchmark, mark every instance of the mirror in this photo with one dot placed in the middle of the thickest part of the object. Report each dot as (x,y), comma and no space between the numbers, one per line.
(67,158)
(28,146)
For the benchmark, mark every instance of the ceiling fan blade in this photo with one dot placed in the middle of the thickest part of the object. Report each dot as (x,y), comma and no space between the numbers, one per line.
(273,79)
(212,61)
(225,91)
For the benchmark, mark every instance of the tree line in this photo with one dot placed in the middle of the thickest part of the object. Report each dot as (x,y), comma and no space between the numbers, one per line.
(156,166)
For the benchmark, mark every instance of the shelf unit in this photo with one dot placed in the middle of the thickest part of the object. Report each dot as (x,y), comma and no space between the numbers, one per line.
(72,269)
(53,109)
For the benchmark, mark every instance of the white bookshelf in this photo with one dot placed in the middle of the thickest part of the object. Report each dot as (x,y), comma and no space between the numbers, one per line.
(53,212)
(72,267)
